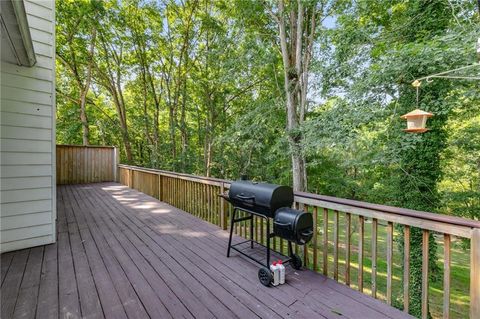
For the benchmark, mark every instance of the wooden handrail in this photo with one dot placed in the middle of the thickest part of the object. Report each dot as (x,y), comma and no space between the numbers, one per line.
(198,195)
(446,219)
(454,220)
(186,176)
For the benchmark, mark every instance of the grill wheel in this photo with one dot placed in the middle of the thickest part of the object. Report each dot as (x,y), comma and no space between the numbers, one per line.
(296,262)
(265,276)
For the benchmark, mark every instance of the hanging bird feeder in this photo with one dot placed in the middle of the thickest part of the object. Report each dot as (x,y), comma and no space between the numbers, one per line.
(416,121)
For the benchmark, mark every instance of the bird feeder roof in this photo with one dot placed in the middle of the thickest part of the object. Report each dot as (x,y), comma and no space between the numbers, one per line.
(416,113)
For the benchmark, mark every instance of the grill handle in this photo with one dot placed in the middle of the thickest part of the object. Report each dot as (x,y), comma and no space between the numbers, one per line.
(242,197)
(282,224)
(307,233)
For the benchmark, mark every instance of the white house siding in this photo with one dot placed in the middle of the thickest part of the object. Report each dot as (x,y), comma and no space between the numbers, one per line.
(27,190)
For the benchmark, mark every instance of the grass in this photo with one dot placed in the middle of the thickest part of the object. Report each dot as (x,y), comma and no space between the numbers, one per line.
(460,261)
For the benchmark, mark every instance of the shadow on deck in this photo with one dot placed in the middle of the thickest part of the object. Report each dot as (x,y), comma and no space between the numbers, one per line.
(123,254)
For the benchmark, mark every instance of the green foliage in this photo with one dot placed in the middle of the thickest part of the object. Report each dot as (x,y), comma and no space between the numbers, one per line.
(201,84)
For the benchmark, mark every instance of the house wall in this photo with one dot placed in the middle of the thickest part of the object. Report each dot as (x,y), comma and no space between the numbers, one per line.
(27,158)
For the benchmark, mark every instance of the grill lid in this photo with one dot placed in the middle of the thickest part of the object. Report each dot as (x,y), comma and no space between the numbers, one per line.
(267,196)
(294,225)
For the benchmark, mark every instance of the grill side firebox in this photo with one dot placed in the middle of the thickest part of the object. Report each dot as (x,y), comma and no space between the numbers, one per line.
(269,201)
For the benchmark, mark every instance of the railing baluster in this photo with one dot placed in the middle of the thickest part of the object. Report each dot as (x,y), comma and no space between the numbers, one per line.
(305,247)
(406,268)
(190,197)
(389,261)
(255,230)
(361,236)
(262,237)
(426,235)
(218,204)
(165,189)
(223,209)
(237,215)
(295,246)
(218,207)
(314,239)
(193,198)
(374,257)
(325,242)
(196,199)
(212,205)
(180,193)
(205,202)
(202,201)
(348,229)
(199,200)
(446,276)
(175,192)
(183,197)
(209,203)
(243,230)
(335,245)
(160,187)
(170,191)
(475,274)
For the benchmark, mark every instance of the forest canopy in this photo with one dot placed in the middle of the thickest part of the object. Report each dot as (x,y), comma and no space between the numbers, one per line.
(199,87)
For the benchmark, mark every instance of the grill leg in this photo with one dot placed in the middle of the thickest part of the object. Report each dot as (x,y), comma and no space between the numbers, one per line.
(232,222)
(268,242)
(290,249)
(251,232)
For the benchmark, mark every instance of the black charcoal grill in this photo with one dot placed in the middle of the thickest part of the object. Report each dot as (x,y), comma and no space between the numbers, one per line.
(269,201)
(262,198)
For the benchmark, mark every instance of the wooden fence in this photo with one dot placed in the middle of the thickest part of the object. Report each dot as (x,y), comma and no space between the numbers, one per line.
(77,164)
(334,218)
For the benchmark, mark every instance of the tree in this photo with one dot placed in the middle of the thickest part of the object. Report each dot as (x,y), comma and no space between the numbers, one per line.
(110,67)
(297,26)
(381,48)
(76,42)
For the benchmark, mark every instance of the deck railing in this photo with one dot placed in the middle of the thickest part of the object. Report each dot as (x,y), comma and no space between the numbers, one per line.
(342,241)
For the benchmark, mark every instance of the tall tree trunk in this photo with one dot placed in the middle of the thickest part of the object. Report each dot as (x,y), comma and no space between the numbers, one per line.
(84,120)
(122,119)
(296,46)
(84,92)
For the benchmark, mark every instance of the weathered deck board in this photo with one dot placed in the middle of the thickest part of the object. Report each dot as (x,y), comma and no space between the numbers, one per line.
(123,254)
(28,294)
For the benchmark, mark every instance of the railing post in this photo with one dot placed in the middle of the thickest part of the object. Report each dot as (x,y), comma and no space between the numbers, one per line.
(115,165)
(130,178)
(223,217)
(475,274)
(160,190)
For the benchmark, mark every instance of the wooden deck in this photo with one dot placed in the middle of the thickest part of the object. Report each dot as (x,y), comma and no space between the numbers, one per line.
(123,254)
